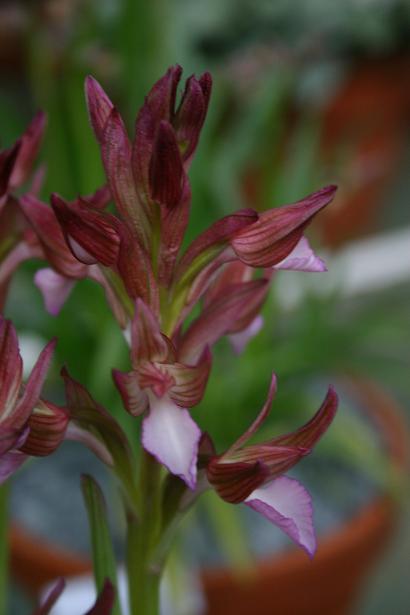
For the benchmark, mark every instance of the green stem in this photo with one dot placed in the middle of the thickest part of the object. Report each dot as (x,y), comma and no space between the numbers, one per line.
(142,536)
(4,552)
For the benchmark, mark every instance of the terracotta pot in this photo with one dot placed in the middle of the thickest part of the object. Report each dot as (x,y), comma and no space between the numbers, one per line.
(363,138)
(364,133)
(290,583)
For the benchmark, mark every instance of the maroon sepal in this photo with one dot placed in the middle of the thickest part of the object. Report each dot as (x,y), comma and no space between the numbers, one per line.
(235,481)
(50,236)
(228,313)
(90,233)
(158,105)
(30,142)
(309,434)
(277,231)
(135,269)
(99,106)
(47,426)
(191,114)
(166,171)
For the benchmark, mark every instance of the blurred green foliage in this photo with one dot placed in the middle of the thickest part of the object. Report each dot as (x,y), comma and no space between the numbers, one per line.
(127,45)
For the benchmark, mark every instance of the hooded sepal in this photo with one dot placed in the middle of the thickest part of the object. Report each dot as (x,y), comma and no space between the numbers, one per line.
(158,106)
(90,233)
(235,481)
(55,289)
(309,434)
(11,371)
(166,173)
(47,426)
(278,231)
(191,114)
(47,229)
(99,106)
(134,267)
(116,157)
(30,142)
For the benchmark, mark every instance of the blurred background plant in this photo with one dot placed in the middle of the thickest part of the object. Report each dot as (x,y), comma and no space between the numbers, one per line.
(306,93)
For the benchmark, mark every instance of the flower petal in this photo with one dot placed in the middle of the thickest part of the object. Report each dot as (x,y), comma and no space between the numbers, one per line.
(225,314)
(99,106)
(277,232)
(191,113)
(135,400)
(252,429)
(10,463)
(30,144)
(11,370)
(87,414)
(54,287)
(90,233)
(158,105)
(309,434)
(174,222)
(287,504)
(166,171)
(32,389)
(233,482)
(48,231)
(302,258)
(170,434)
(47,426)
(240,340)
(116,157)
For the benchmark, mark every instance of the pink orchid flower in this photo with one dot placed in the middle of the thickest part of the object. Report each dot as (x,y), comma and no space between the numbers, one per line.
(29,425)
(253,474)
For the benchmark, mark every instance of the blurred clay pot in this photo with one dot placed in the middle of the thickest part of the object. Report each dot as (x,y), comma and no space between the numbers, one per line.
(365,132)
(285,583)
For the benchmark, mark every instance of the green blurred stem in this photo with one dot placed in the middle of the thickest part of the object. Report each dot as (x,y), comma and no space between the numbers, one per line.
(142,535)
(230,533)
(4,552)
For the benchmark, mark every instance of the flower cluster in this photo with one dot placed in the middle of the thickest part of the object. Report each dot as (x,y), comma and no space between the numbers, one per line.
(134,250)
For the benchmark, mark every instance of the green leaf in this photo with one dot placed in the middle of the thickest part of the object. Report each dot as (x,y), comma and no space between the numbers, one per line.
(104,563)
